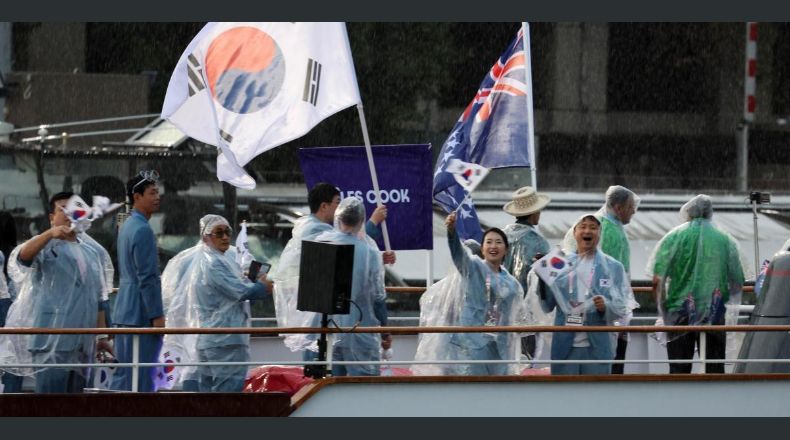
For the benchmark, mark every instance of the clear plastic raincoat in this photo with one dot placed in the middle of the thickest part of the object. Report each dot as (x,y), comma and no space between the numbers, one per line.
(367,292)
(441,306)
(205,288)
(490,299)
(286,284)
(60,288)
(614,240)
(606,278)
(525,242)
(698,269)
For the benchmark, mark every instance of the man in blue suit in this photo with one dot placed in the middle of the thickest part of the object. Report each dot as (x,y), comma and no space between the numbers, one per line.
(594,292)
(139,300)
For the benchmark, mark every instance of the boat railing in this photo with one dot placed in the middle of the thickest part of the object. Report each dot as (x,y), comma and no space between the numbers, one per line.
(393,330)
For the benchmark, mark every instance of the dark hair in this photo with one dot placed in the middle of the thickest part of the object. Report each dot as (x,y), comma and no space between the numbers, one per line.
(496,231)
(64,195)
(133,185)
(321,193)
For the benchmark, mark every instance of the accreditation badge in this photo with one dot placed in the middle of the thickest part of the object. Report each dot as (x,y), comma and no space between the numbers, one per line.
(574,319)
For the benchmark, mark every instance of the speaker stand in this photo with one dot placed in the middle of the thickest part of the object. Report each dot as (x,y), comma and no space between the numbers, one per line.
(319,371)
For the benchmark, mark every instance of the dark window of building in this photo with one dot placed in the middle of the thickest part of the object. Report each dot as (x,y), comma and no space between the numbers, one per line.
(659,67)
(781,92)
(477,47)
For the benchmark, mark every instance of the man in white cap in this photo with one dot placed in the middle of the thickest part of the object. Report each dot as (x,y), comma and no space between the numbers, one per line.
(526,242)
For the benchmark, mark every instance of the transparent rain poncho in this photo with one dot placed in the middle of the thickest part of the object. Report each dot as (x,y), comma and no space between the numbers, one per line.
(368,296)
(108,270)
(490,298)
(614,241)
(440,306)
(4,293)
(525,242)
(286,283)
(605,277)
(205,288)
(61,288)
(699,270)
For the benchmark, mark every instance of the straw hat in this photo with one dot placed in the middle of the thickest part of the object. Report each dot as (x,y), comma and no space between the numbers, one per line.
(525,202)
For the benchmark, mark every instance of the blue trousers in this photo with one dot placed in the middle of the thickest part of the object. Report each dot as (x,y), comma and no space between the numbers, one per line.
(59,380)
(12,383)
(487,352)
(580,353)
(222,379)
(5,304)
(345,354)
(150,345)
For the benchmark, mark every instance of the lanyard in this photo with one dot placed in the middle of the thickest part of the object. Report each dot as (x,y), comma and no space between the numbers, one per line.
(572,280)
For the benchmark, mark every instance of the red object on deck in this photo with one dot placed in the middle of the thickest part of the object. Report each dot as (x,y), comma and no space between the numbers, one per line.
(536,372)
(275,378)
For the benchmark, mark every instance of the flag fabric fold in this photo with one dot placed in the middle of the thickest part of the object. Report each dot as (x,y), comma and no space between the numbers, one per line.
(249,87)
(492,132)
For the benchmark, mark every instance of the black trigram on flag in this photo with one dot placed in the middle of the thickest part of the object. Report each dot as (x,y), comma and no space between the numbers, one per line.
(312,81)
(195,75)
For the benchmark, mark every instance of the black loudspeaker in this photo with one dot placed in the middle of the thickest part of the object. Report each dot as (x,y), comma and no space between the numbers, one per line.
(325,273)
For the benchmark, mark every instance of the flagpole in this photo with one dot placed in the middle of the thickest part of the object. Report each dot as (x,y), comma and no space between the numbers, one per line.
(530,116)
(373,174)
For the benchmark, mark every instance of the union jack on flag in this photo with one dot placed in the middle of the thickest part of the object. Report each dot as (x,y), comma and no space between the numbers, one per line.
(493,131)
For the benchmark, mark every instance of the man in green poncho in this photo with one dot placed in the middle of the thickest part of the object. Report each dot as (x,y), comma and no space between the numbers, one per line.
(526,243)
(621,205)
(696,270)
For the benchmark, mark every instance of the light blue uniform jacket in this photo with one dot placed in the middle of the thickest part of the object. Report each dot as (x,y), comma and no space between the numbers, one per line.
(139,297)
(608,280)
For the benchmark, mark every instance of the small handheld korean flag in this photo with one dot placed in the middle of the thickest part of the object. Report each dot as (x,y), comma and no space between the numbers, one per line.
(167,376)
(467,174)
(78,213)
(552,265)
(243,256)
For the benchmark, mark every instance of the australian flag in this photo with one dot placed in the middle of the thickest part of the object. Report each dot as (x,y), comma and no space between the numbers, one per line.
(493,132)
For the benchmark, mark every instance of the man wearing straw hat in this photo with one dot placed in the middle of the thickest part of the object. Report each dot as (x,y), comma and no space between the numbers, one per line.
(526,242)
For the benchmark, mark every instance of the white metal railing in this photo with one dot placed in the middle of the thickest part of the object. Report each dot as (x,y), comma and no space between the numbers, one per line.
(86,122)
(136,364)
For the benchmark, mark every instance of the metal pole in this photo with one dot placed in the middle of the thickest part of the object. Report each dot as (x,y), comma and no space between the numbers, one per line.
(429,275)
(530,111)
(329,351)
(742,142)
(135,361)
(756,241)
(703,343)
(373,174)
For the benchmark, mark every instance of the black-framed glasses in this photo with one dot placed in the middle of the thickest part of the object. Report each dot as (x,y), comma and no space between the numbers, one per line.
(148,176)
(222,233)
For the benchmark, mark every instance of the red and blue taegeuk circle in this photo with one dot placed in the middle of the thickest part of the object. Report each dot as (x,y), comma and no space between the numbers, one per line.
(245,69)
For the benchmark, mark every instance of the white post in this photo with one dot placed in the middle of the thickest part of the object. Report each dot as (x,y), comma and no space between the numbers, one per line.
(429,261)
(703,343)
(373,174)
(135,361)
(329,349)
(530,113)
(749,104)
(756,242)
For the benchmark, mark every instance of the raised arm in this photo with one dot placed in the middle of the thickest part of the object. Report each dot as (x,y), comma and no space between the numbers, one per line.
(461,258)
